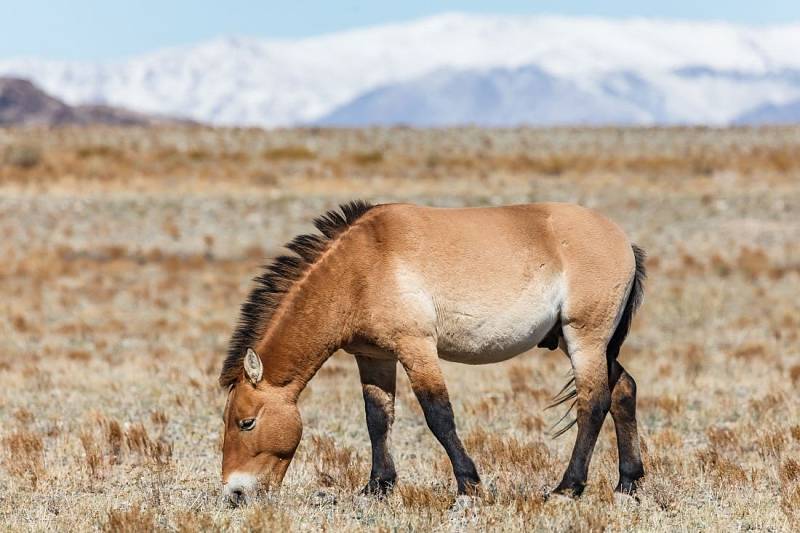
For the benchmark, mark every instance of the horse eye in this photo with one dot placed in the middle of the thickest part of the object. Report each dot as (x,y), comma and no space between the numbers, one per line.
(247,424)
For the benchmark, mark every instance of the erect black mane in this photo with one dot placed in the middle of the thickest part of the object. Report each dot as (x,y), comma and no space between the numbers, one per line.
(277,278)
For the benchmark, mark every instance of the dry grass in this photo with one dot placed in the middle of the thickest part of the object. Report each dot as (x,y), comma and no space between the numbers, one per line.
(24,456)
(127,252)
(146,158)
(335,465)
(133,520)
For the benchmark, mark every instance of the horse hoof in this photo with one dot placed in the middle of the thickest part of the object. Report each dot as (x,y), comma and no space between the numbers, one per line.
(378,487)
(626,492)
(559,496)
(464,502)
(565,492)
(323,499)
(625,498)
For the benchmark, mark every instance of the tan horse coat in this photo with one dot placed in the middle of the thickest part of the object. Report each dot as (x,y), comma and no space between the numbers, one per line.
(414,284)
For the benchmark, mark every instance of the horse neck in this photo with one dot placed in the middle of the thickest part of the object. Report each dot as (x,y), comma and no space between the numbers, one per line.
(311,323)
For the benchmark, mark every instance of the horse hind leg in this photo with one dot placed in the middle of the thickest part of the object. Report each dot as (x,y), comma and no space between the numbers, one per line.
(593,400)
(588,368)
(623,411)
(378,378)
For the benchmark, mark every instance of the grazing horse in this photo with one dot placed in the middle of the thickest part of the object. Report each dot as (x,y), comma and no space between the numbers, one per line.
(414,284)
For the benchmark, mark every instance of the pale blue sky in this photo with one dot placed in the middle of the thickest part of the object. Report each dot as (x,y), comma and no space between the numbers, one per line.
(105,29)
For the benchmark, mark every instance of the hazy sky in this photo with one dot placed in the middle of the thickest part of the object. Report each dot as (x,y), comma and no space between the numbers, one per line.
(107,29)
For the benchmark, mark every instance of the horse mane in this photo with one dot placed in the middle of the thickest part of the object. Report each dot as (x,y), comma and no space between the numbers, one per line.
(276,280)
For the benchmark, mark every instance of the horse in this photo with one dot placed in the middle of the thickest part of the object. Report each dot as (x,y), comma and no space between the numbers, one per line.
(411,284)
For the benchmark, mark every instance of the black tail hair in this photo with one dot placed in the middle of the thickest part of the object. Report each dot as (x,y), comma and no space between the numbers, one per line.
(634,301)
(568,392)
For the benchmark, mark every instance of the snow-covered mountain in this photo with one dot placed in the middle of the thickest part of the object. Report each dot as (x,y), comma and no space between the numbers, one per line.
(496,97)
(529,95)
(452,69)
(772,114)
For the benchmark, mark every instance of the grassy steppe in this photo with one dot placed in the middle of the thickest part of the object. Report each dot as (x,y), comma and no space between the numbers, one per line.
(126,253)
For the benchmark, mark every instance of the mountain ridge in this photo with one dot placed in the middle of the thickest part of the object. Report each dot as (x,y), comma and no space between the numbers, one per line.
(250,81)
(23,103)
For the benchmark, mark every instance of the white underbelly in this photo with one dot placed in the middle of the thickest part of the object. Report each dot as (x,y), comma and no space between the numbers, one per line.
(481,333)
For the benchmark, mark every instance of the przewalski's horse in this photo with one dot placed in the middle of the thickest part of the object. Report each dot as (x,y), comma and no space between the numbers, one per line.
(413,284)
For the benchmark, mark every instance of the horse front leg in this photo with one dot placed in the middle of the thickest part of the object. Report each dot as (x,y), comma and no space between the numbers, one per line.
(420,360)
(378,377)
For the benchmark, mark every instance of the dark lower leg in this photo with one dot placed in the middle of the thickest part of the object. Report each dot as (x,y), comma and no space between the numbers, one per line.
(421,363)
(378,384)
(623,411)
(440,419)
(594,401)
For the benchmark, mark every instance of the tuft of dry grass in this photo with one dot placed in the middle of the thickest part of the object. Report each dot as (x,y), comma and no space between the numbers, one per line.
(790,490)
(425,499)
(23,156)
(751,350)
(722,438)
(753,261)
(93,455)
(335,464)
(289,153)
(794,374)
(133,520)
(372,157)
(494,451)
(192,521)
(157,450)
(106,443)
(724,473)
(267,517)
(790,471)
(24,456)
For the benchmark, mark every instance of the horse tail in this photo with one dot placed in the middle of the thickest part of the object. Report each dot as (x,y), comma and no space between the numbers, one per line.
(635,297)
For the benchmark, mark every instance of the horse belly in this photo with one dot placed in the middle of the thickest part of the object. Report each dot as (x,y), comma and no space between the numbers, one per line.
(481,333)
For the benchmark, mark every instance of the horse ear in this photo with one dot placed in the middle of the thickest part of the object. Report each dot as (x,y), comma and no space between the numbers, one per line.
(253,368)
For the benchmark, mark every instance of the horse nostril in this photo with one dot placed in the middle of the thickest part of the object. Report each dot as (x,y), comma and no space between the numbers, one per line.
(236,497)
(237,488)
